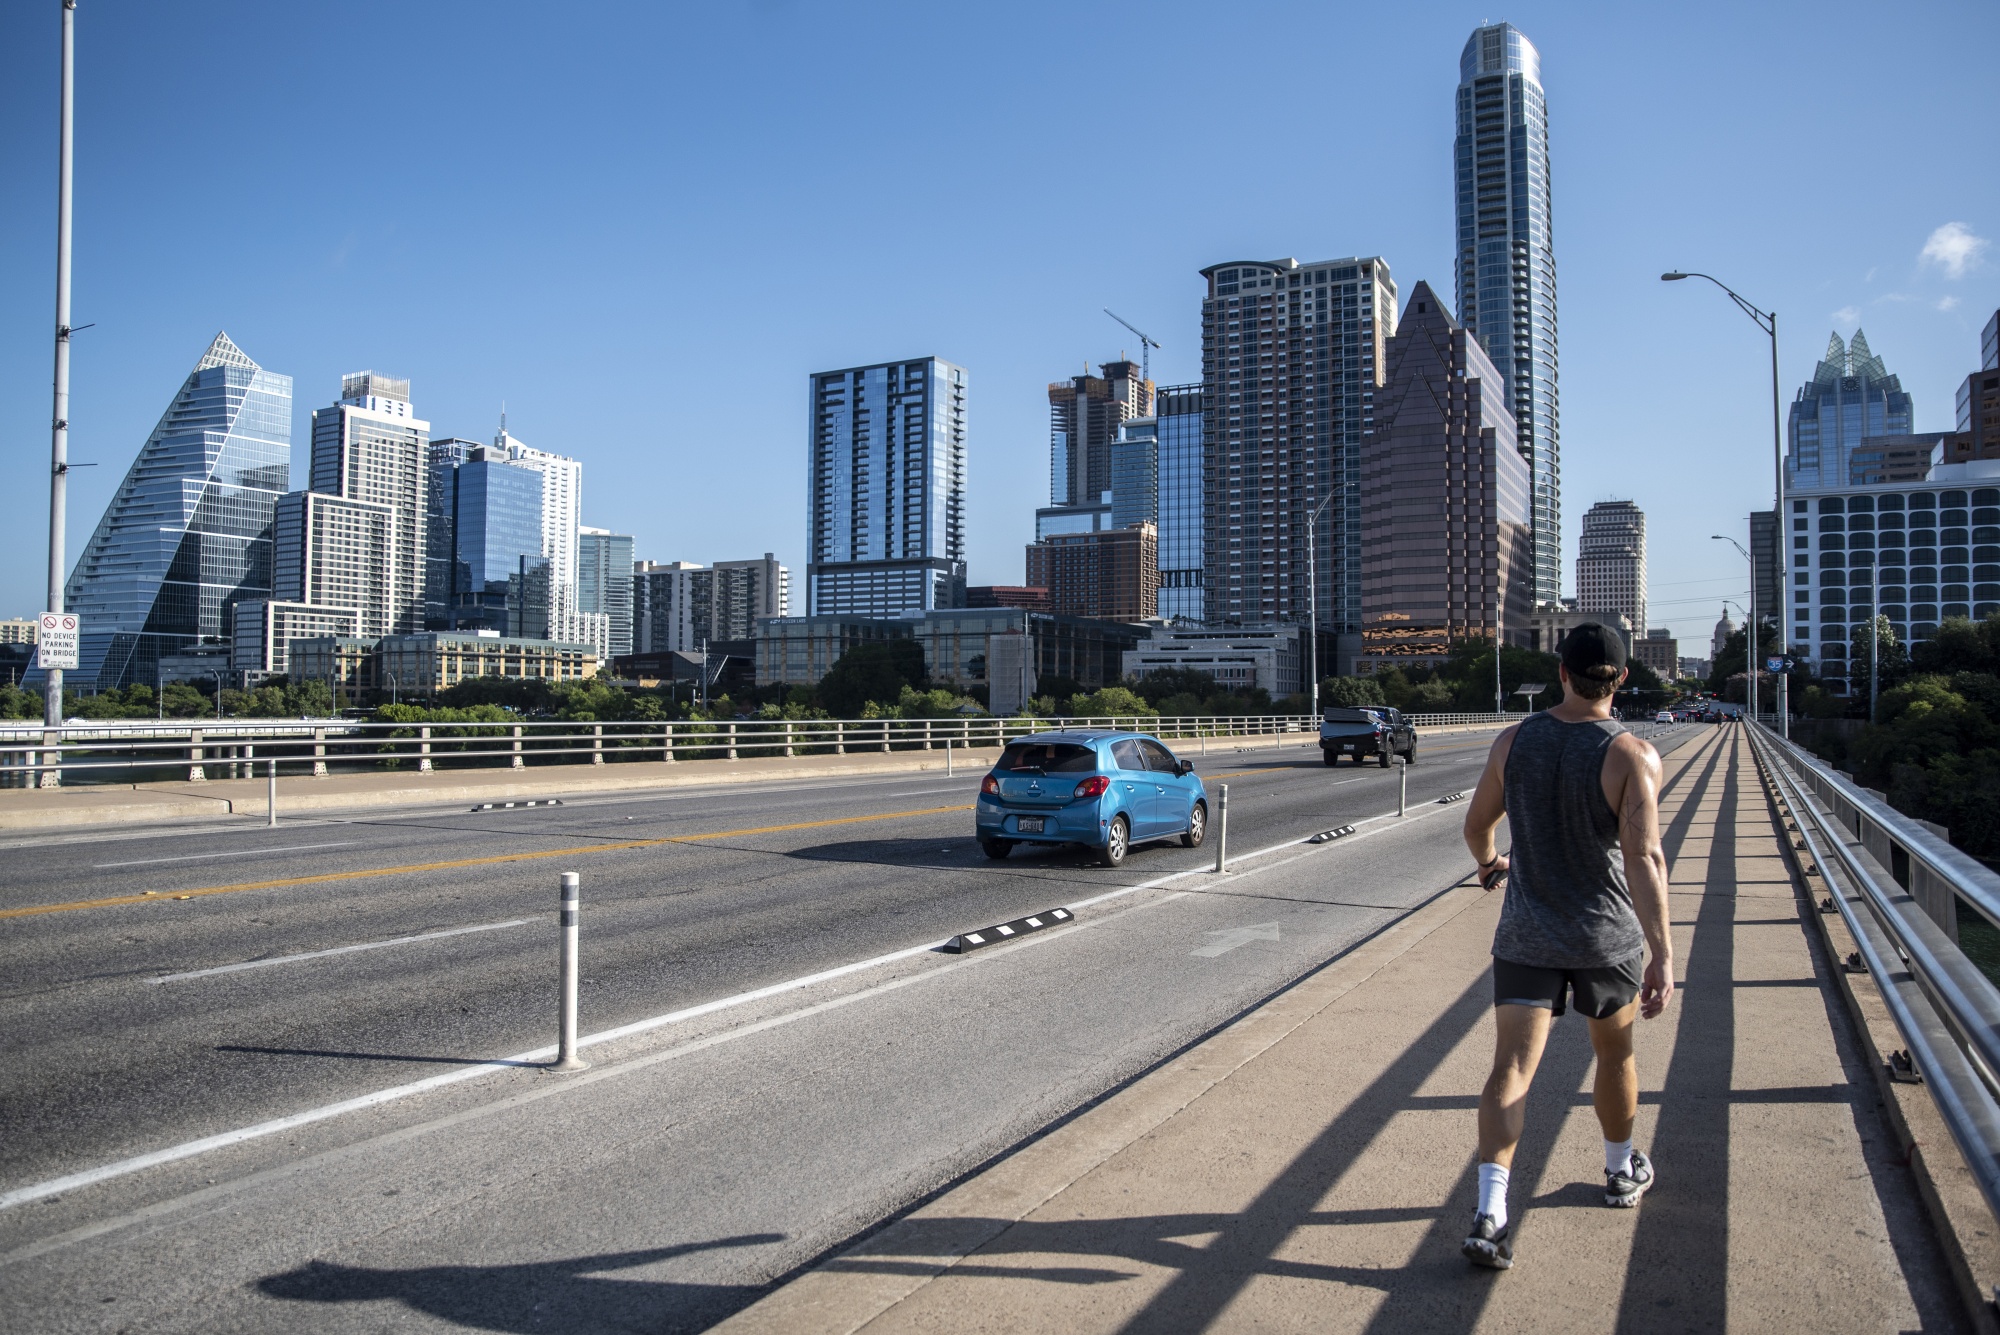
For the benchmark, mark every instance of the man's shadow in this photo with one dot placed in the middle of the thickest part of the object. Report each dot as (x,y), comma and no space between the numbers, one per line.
(568,1295)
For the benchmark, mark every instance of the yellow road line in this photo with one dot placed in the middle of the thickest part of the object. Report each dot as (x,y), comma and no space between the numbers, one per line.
(324,877)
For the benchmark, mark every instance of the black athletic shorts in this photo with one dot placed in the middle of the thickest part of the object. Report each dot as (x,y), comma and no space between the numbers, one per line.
(1599,993)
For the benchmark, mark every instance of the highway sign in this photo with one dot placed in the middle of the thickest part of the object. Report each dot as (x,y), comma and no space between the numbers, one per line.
(56,644)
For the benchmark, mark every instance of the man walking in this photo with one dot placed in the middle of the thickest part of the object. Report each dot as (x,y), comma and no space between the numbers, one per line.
(1586,902)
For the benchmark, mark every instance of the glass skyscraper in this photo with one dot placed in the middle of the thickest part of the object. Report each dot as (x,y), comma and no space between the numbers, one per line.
(604,582)
(1506,261)
(498,569)
(885,522)
(1180,481)
(188,534)
(1850,398)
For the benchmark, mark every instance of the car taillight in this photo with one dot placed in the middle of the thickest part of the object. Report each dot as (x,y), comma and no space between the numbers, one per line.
(1094,786)
(990,786)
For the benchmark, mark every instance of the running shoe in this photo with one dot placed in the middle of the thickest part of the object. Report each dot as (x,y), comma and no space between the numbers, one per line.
(1624,1189)
(1487,1245)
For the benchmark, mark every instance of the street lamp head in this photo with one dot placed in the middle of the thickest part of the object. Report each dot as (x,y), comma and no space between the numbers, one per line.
(1674,277)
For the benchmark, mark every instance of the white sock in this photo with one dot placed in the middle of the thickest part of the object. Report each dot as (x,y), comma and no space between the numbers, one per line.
(1493,1193)
(1617,1156)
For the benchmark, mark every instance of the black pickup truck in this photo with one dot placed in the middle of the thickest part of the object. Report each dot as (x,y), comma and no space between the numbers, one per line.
(1378,731)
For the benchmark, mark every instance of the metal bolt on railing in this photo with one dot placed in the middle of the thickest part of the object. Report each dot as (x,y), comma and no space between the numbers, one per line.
(566,1058)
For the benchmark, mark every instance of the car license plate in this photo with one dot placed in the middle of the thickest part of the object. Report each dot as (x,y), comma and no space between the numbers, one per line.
(1029,824)
(1347,746)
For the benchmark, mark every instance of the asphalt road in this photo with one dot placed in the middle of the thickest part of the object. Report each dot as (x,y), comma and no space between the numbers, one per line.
(699,1158)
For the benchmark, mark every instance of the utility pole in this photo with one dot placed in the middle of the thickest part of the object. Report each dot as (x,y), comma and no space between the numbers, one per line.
(1499,700)
(59,433)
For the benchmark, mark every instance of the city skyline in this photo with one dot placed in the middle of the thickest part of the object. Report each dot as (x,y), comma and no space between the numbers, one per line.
(308,285)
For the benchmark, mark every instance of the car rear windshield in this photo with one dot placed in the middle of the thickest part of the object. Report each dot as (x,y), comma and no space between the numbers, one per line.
(1349,716)
(1048,757)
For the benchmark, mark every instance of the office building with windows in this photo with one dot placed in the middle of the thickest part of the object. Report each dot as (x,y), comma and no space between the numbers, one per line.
(440,539)
(1135,473)
(1085,414)
(1660,651)
(1851,396)
(371,447)
(1914,552)
(1007,650)
(1445,500)
(680,605)
(1112,574)
(500,573)
(187,535)
(262,633)
(562,510)
(604,583)
(1291,365)
(1178,412)
(885,524)
(1611,561)
(1506,259)
(337,553)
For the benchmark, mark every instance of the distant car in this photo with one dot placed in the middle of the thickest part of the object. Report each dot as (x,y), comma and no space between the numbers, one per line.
(1104,790)
(1664,716)
(1370,731)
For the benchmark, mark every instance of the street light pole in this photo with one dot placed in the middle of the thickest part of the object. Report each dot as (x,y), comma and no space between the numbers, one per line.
(1312,595)
(1768,322)
(59,421)
(1750,635)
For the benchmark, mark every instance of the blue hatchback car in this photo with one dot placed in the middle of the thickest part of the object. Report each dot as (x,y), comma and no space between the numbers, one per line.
(1104,790)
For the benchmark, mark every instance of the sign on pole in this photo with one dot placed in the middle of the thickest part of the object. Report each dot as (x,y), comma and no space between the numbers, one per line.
(56,645)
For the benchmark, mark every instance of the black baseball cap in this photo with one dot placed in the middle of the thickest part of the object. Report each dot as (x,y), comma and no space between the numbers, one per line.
(1591,645)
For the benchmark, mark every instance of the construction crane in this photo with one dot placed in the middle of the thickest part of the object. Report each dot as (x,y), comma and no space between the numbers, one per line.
(1145,342)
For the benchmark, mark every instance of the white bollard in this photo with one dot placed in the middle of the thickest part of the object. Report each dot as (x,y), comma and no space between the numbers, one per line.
(1222,827)
(1402,786)
(271,794)
(566,1058)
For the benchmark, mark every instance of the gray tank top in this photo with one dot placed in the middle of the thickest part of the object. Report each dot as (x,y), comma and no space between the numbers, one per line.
(1567,905)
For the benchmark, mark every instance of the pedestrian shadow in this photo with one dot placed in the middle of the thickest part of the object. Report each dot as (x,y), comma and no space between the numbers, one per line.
(569,1295)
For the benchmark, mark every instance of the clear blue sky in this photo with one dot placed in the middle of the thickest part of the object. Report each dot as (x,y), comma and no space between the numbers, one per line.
(642,225)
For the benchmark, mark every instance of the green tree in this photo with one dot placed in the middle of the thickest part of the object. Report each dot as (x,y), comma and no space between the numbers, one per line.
(1348,692)
(874,672)
(1156,686)
(1112,701)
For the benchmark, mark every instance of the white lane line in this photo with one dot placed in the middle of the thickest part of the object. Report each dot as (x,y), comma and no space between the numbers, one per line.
(35,1191)
(240,853)
(339,950)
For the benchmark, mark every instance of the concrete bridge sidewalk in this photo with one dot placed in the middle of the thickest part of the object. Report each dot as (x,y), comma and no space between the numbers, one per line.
(1311,1167)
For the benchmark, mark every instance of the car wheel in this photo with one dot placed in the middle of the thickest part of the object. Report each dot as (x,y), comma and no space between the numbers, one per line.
(1410,756)
(996,848)
(1382,757)
(1197,829)
(1331,757)
(1116,844)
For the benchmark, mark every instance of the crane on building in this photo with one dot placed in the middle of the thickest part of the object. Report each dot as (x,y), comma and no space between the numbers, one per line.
(1145,342)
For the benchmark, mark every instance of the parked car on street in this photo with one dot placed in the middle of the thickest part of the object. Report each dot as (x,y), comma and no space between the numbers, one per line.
(1104,790)
(1368,731)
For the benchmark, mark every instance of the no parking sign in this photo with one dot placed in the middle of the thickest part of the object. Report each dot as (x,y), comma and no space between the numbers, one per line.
(56,645)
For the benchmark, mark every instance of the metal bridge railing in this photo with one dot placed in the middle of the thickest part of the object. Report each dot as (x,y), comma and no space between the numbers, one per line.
(196,750)
(1897,885)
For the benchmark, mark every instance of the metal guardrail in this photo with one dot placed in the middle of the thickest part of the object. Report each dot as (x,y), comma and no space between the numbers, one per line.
(196,750)
(1897,886)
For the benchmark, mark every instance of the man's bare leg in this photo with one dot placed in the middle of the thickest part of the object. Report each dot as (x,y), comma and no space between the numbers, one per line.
(1522,1032)
(1616,1091)
(1615,1094)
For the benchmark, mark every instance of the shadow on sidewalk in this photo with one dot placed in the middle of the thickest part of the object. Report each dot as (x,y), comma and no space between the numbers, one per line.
(571,1295)
(1212,1258)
